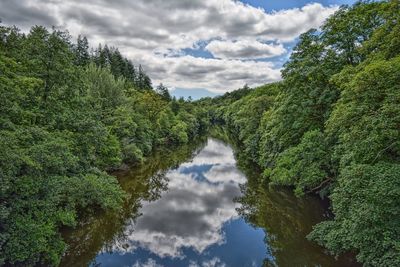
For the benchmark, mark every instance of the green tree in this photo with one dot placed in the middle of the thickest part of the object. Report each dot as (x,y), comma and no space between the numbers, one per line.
(163,91)
(63,123)
(306,166)
(366,206)
(82,51)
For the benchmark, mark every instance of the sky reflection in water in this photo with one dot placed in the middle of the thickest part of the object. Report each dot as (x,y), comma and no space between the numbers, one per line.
(195,222)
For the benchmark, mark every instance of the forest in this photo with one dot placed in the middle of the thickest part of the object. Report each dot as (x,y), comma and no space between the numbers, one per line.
(332,127)
(70,114)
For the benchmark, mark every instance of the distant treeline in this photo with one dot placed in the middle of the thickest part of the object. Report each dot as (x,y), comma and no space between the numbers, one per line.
(332,127)
(67,115)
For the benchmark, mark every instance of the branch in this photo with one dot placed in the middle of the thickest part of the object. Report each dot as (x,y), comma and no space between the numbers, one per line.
(383,150)
(319,186)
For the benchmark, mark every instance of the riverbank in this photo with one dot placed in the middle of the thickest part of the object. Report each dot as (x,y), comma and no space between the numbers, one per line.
(194,204)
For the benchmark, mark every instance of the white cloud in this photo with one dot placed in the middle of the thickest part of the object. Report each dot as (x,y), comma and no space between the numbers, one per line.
(150,31)
(217,75)
(214,262)
(245,49)
(148,263)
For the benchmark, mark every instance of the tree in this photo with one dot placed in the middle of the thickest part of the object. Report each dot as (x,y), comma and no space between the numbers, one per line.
(306,166)
(163,92)
(82,51)
(349,28)
(63,124)
(366,206)
(143,81)
(48,56)
(333,128)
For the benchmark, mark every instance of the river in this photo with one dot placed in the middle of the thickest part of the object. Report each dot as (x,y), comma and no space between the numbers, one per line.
(195,207)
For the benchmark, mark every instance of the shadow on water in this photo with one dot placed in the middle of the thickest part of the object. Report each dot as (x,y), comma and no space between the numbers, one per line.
(200,205)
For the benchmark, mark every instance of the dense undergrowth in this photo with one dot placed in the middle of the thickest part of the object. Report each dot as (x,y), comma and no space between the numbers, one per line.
(332,127)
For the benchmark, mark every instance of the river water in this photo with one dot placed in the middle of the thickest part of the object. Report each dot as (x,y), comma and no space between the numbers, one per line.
(196,207)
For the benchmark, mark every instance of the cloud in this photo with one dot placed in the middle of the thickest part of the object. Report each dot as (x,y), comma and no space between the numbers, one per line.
(216,75)
(148,263)
(245,49)
(214,262)
(26,14)
(156,32)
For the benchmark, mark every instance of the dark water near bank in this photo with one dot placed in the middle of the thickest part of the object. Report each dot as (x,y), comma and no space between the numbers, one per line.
(194,207)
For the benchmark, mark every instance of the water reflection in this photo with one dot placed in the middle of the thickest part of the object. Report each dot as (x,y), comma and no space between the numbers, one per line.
(191,219)
(286,220)
(186,215)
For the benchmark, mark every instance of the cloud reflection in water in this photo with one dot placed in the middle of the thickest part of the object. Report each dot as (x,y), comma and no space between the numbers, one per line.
(191,217)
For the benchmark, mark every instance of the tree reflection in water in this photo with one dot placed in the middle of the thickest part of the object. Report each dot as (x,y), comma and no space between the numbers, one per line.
(180,211)
(286,220)
(144,182)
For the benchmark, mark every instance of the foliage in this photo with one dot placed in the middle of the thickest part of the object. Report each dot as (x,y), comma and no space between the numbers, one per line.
(163,91)
(366,205)
(305,166)
(332,127)
(67,116)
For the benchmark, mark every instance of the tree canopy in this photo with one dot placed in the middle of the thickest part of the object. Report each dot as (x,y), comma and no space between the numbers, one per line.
(331,127)
(68,116)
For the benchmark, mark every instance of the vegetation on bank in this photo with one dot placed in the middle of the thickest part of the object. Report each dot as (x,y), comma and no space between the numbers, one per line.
(68,115)
(332,126)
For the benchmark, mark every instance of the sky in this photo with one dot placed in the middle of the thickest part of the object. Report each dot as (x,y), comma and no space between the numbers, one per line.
(194,47)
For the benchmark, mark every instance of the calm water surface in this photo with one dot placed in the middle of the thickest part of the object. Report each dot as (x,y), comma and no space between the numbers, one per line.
(194,207)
